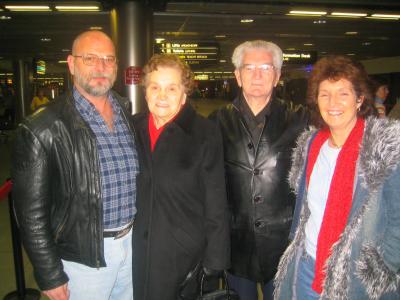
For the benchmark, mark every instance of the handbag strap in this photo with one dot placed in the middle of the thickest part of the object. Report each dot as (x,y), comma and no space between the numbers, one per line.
(225,278)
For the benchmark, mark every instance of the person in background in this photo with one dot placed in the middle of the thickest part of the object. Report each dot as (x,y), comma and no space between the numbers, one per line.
(9,106)
(182,218)
(259,131)
(381,94)
(39,100)
(74,174)
(346,174)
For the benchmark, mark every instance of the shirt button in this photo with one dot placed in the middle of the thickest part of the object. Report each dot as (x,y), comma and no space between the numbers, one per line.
(258,199)
(258,224)
(250,146)
(257,171)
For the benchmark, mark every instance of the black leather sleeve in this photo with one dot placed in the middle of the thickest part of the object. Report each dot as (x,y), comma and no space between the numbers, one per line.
(217,254)
(31,195)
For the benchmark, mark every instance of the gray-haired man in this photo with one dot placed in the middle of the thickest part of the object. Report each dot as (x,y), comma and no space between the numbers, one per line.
(259,131)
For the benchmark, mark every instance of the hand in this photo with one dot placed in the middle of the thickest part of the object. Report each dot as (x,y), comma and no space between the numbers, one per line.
(58,293)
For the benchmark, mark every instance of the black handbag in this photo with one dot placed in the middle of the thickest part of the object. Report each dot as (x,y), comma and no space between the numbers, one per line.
(194,287)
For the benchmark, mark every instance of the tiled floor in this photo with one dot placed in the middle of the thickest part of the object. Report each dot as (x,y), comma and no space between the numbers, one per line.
(7,280)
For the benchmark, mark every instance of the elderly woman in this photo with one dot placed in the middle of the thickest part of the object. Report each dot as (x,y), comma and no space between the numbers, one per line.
(182,214)
(346,175)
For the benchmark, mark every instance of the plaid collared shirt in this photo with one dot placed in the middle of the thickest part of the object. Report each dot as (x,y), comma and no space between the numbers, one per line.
(118,162)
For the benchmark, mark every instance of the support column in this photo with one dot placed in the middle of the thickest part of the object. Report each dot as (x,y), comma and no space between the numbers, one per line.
(22,76)
(132,33)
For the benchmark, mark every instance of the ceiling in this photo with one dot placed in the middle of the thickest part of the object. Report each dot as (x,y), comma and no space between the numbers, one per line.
(20,35)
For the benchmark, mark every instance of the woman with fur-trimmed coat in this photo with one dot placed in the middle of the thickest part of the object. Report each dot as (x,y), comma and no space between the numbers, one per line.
(346,175)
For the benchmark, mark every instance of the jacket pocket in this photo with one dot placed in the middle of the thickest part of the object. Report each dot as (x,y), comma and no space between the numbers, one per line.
(60,228)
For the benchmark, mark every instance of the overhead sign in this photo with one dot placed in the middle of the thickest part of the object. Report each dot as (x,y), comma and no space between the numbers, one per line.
(299,57)
(194,53)
(40,67)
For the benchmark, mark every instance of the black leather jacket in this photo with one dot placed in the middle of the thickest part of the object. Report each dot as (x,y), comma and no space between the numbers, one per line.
(258,192)
(57,191)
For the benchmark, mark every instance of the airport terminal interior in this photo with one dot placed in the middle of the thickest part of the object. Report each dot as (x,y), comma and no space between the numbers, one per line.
(36,38)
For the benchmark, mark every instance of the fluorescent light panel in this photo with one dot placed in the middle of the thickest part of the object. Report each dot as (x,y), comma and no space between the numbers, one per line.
(28,7)
(348,14)
(77,8)
(388,16)
(246,21)
(307,13)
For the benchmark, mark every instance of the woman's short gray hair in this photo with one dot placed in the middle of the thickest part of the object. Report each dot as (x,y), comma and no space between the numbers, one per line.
(276,52)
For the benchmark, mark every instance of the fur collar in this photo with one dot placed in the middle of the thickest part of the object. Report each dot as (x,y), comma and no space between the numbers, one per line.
(379,154)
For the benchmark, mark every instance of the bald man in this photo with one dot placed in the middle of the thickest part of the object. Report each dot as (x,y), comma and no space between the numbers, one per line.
(74,173)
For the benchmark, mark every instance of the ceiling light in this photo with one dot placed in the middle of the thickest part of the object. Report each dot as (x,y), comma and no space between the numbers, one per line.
(28,7)
(159,40)
(385,16)
(290,49)
(62,61)
(5,17)
(95,28)
(350,54)
(307,13)
(65,50)
(220,36)
(308,44)
(348,14)
(351,32)
(222,60)
(77,8)
(45,39)
(246,21)
(319,21)
(366,43)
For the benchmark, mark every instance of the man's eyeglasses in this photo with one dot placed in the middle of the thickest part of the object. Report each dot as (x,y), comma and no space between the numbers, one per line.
(93,59)
(264,68)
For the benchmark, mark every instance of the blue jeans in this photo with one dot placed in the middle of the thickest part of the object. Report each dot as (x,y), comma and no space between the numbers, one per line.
(304,279)
(113,282)
(247,289)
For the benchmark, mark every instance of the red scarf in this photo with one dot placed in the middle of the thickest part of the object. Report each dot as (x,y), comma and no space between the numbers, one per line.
(154,132)
(340,195)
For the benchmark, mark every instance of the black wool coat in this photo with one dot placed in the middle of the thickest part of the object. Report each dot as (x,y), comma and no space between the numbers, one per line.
(182,214)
